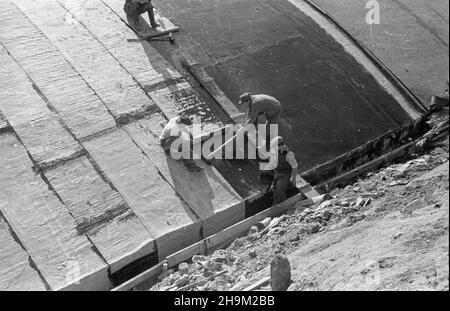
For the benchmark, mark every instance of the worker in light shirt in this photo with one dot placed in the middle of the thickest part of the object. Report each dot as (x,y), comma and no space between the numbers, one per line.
(178,127)
(135,8)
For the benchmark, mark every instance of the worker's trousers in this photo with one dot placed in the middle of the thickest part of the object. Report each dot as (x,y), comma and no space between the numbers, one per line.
(281,185)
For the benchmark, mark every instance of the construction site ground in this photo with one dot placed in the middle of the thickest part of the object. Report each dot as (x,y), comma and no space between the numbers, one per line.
(89,199)
(387,231)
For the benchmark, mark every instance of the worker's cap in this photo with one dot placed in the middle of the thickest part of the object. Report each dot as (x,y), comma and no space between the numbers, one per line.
(244,98)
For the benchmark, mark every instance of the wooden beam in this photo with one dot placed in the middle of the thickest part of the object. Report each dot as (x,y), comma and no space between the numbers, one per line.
(144,276)
(371,150)
(257,285)
(388,157)
(213,242)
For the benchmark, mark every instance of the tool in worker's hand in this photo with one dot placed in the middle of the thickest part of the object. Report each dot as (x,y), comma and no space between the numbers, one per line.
(170,38)
(260,147)
(156,36)
(220,148)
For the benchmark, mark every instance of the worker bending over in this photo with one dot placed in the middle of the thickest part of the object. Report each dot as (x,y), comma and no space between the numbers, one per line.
(178,128)
(259,105)
(281,171)
(134,8)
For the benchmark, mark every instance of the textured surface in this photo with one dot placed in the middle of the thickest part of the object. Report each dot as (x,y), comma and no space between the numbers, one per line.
(411,39)
(154,201)
(90,199)
(66,83)
(101,212)
(115,86)
(65,257)
(165,85)
(207,192)
(16,272)
(73,99)
(331,103)
(87,105)
(38,128)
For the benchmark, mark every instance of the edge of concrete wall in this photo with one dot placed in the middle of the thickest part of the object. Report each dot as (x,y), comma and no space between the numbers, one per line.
(385,77)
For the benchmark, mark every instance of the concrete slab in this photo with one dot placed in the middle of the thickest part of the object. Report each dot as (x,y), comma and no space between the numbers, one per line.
(44,226)
(101,212)
(181,97)
(206,192)
(160,79)
(16,273)
(47,141)
(147,66)
(80,108)
(113,84)
(166,216)
(89,198)
(123,240)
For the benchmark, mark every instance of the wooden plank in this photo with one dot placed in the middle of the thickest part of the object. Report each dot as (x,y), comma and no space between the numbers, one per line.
(80,108)
(16,273)
(345,178)
(101,212)
(114,85)
(363,154)
(218,240)
(47,141)
(149,274)
(152,199)
(44,226)
(257,285)
(305,188)
(207,193)
(229,234)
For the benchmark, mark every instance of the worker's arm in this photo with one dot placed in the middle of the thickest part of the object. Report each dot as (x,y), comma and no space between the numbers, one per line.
(290,158)
(252,115)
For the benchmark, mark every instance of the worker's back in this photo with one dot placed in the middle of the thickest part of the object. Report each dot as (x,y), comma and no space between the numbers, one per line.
(265,103)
